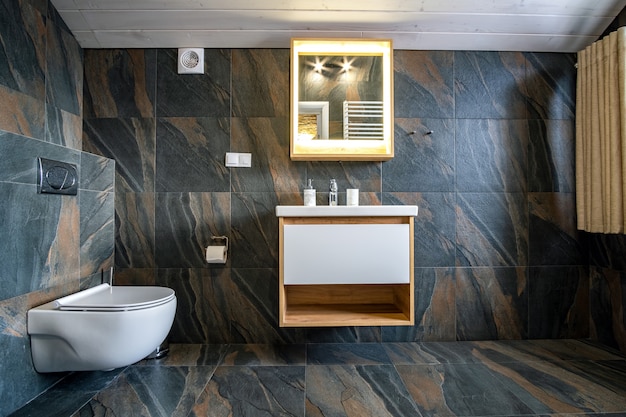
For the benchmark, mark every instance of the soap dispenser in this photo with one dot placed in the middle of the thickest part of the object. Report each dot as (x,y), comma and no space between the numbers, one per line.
(332,195)
(309,194)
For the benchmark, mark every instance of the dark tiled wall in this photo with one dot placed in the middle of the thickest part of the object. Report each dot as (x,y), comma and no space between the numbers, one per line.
(51,245)
(608,289)
(497,253)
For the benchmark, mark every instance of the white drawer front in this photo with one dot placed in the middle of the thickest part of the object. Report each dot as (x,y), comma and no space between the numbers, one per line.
(346,254)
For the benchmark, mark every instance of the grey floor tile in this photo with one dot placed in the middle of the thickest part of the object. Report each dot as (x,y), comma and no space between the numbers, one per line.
(189,355)
(357,391)
(265,355)
(151,391)
(346,354)
(253,391)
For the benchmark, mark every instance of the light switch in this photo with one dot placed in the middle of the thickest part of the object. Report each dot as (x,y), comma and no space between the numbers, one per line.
(245,160)
(232,159)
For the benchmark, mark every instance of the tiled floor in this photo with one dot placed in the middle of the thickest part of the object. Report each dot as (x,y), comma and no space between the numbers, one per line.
(503,378)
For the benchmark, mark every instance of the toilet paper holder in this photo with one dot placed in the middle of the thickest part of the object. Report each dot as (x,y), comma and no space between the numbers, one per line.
(221,238)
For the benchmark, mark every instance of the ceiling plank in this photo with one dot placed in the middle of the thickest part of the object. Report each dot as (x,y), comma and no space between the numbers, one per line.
(281,39)
(333,21)
(540,7)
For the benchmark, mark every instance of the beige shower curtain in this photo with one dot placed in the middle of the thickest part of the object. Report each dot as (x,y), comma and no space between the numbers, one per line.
(601,135)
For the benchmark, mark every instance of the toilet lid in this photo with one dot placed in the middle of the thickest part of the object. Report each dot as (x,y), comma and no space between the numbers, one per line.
(116,298)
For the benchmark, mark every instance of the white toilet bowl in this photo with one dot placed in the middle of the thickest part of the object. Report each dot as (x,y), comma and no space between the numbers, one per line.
(101,328)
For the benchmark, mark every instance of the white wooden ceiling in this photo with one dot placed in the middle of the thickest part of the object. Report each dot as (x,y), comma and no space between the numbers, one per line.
(500,25)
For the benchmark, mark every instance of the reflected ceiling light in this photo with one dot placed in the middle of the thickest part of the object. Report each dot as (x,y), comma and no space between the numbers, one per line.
(346,65)
(318,66)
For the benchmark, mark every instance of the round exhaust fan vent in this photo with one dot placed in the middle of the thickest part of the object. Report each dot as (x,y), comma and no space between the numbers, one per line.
(191,61)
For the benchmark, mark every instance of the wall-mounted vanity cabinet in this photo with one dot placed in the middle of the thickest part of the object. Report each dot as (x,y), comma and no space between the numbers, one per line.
(346,266)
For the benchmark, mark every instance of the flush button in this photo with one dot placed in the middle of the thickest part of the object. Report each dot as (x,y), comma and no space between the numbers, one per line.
(55,177)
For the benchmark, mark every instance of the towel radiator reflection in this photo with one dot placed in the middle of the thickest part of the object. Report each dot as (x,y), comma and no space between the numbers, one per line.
(363,120)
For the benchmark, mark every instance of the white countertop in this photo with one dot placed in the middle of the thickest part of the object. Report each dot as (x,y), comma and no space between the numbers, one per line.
(344,211)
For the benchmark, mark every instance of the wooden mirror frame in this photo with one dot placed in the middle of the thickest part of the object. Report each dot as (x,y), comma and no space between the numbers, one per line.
(341,149)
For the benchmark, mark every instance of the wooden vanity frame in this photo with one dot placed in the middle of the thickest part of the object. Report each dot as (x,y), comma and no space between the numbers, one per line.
(325,305)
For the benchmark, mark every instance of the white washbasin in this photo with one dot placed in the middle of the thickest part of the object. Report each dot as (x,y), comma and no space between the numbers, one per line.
(344,211)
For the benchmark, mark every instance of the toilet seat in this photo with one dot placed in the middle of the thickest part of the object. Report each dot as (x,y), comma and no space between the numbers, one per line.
(100,298)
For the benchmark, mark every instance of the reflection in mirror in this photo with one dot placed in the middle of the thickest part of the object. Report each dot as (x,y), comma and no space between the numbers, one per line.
(313,119)
(341,105)
(353,87)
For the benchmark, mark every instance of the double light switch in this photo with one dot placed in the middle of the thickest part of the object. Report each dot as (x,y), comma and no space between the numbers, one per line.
(241,160)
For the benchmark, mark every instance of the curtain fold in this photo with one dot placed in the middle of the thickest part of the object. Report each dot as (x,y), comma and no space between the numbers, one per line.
(601,135)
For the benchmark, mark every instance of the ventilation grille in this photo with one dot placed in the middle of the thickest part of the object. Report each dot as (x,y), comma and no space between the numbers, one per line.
(191,61)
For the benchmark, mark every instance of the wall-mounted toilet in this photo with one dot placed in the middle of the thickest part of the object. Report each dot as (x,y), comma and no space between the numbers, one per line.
(104,327)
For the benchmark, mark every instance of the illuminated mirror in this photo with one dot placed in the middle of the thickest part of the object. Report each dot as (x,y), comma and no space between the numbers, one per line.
(341,99)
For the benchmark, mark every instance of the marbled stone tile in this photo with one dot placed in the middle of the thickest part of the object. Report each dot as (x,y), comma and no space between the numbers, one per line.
(607,298)
(120,83)
(435,312)
(491,303)
(434,226)
(44,246)
(22,114)
(190,154)
(152,391)
(572,386)
(189,354)
(491,229)
(19,382)
(51,11)
(88,281)
(422,162)
(97,173)
(346,354)
(131,143)
(423,84)
(91,381)
(265,355)
(194,95)
(268,141)
(260,82)
(243,391)
(204,310)
(496,351)
(134,230)
(357,391)
(19,161)
(575,350)
(254,228)
(253,302)
(491,155)
(64,128)
(558,302)
(366,176)
(133,276)
(607,250)
(490,85)
(55,405)
(23,56)
(433,353)
(551,156)
(64,70)
(97,231)
(551,83)
(466,390)
(185,223)
(553,237)
(347,334)
(24,384)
